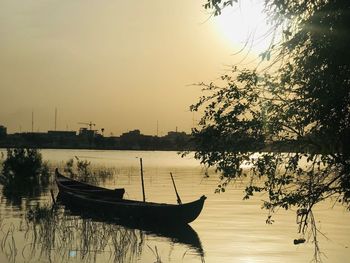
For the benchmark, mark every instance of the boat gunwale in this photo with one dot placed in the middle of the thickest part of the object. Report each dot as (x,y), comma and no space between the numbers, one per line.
(134,202)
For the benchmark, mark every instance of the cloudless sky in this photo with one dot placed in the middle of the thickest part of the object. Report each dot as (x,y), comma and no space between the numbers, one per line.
(123,65)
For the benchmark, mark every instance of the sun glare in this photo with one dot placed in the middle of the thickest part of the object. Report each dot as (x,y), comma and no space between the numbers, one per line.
(244,25)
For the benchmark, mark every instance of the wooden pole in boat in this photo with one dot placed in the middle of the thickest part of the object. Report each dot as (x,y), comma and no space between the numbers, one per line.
(143,186)
(177,195)
(53,198)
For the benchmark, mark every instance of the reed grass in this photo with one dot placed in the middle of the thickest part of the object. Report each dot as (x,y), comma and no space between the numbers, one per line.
(57,233)
(85,171)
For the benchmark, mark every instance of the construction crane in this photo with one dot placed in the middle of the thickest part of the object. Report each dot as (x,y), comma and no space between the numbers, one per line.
(90,124)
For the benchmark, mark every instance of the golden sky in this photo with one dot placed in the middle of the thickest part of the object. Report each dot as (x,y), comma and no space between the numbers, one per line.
(121,64)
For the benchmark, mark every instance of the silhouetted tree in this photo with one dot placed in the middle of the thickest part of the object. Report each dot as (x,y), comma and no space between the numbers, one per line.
(24,174)
(305,102)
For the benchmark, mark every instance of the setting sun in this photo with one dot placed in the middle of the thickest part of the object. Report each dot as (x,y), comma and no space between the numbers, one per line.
(245,25)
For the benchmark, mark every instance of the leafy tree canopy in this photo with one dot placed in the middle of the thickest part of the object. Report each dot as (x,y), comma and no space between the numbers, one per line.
(24,174)
(297,116)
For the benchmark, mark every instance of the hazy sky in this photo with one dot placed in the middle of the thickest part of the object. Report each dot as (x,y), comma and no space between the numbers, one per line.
(120,64)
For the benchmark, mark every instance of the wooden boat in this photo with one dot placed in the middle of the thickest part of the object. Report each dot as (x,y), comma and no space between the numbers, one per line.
(183,234)
(137,211)
(66,184)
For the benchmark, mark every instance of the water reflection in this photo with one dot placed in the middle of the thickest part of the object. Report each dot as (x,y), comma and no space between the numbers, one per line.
(20,195)
(57,235)
(184,234)
(66,234)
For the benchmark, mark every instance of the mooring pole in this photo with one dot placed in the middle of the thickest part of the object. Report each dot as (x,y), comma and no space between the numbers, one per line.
(53,198)
(177,195)
(143,186)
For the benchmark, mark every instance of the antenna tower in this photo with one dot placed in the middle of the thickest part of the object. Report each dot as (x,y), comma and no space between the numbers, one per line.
(32,121)
(55,119)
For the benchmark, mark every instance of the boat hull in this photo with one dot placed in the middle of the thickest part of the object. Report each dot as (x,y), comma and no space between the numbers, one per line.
(140,212)
(137,211)
(66,184)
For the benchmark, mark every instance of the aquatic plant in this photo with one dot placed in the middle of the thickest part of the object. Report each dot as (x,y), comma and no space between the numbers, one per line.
(23,165)
(156,254)
(59,233)
(84,171)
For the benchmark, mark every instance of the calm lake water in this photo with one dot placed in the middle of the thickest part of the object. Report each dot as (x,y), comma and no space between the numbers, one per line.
(228,229)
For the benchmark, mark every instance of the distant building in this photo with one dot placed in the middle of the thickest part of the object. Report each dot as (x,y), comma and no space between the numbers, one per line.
(86,133)
(176,136)
(177,140)
(62,134)
(131,134)
(91,139)
(131,140)
(3,131)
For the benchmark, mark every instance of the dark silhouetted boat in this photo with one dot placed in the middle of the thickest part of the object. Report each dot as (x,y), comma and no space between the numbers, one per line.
(182,234)
(101,200)
(66,184)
